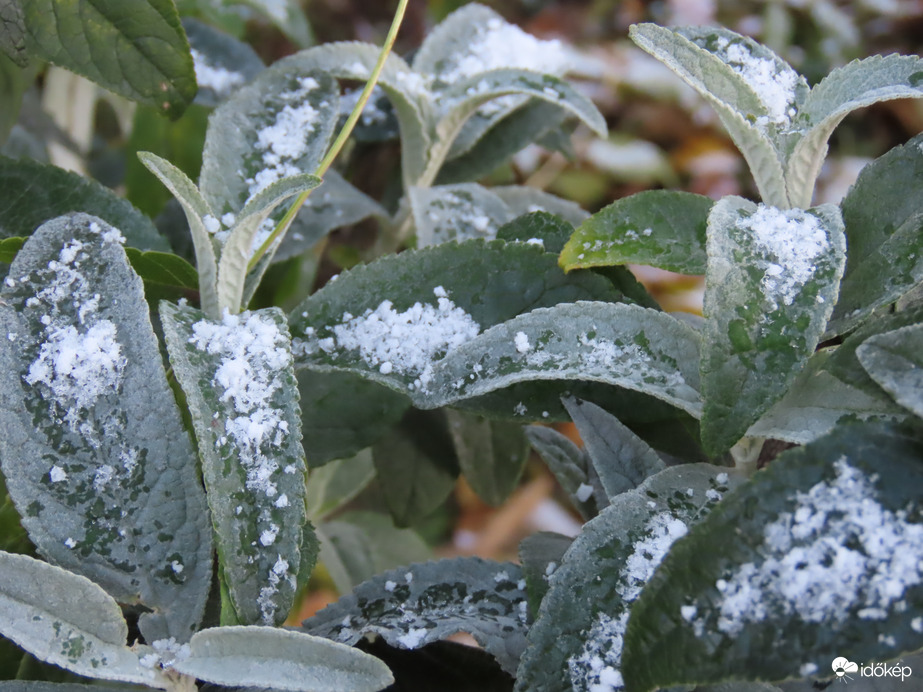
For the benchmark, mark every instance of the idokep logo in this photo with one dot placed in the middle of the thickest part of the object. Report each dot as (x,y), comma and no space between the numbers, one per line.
(846,670)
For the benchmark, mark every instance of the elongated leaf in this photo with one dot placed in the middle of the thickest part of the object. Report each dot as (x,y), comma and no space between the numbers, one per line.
(416,605)
(622,345)
(164,275)
(288,16)
(456,212)
(338,482)
(238,380)
(67,620)
(94,451)
(393,319)
(281,660)
(572,468)
(13,84)
(37,686)
(136,49)
(621,459)
(883,218)
(752,90)
(222,63)
(449,42)
(491,454)
(13,32)
(660,228)
(893,361)
(525,200)
(771,284)
(818,549)
(540,555)
(35,192)
(856,85)
(576,641)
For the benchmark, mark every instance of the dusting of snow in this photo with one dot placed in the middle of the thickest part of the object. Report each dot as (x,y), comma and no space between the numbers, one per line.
(536,241)
(57,474)
(838,552)
(412,638)
(790,240)
(277,574)
(70,543)
(520,409)
(584,492)
(390,585)
(167,653)
(522,342)
(220,80)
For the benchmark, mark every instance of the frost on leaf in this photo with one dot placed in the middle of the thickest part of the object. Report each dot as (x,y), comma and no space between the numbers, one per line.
(428,602)
(220,80)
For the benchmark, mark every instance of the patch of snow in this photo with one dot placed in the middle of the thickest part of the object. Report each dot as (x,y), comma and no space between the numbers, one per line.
(219,79)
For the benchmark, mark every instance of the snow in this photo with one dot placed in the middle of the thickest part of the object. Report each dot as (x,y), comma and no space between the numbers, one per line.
(790,241)
(522,342)
(584,492)
(219,79)
(57,474)
(412,638)
(277,574)
(839,552)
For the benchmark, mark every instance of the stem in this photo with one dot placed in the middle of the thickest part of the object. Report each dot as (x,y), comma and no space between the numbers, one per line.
(342,137)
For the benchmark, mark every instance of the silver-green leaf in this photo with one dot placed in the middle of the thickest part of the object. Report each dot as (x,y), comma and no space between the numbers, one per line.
(456,212)
(893,360)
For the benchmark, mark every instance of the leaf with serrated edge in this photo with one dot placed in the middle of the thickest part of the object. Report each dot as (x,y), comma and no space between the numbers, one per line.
(883,217)
(622,459)
(65,619)
(238,380)
(459,289)
(423,603)
(135,49)
(821,548)
(196,210)
(282,660)
(94,451)
(456,212)
(223,63)
(772,281)
(753,119)
(571,467)
(856,85)
(576,641)
(893,361)
(659,228)
(618,344)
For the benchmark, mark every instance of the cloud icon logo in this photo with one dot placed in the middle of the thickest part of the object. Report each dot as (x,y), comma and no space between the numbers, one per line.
(842,666)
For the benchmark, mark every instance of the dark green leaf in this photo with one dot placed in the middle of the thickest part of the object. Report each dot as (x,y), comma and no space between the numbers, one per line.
(540,555)
(770,287)
(164,269)
(242,394)
(13,84)
(576,641)
(136,49)
(337,483)
(13,32)
(893,359)
(815,558)
(660,228)
(289,18)
(36,192)
(94,451)
(572,467)
(9,247)
(222,63)
(538,228)
(423,603)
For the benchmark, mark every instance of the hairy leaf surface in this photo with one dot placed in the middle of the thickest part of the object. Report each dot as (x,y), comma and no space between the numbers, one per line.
(223,64)
(572,468)
(893,360)
(456,212)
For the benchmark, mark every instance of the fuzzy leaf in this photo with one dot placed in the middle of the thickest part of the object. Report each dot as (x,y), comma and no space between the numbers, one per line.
(893,361)
(751,89)
(622,460)
(771,284)
(856,85)
(883,218)
(449,42)
(460,288)
(576,641)
(335,484)
(660,228)
(136,49)
(94,451)
(13,32)
(491,454)
(65,619)
(423,603)
(571,467)
(819,549)
(35,192)
(281,660)
(537,228)
(525,200)
(242,394)
(223,64)
(456,212)
(540,554)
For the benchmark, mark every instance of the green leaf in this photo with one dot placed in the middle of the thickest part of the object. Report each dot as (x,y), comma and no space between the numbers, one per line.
(223,64)
(13,83)
(571,467)
(163,269)
(358,545)
(814,559)
(9,247)
(883,218)
(856,85)
(456,212)
(337,483)
(343,413)
(416,605)
(67,620)
(537,228)
(13,32)
(540,555)
(238,379)
(94,451)
(893,360)
(459,288)
(660,228)
(136,49)
(417,466)
(617,344)
(449,43)
(621,459)
(525,200)
(491,454)
(771,284)
(752,90)
(36,192)
(281,660)
(576,641)
(288,16)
